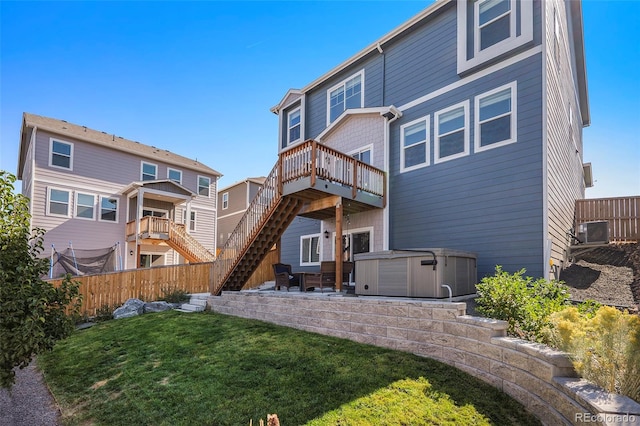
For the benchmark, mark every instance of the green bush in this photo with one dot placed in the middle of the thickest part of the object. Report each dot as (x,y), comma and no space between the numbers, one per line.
(524,303)
(605,347)
(33,313)
(175,295)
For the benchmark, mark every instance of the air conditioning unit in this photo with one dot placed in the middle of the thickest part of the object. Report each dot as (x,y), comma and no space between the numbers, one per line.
(594,232)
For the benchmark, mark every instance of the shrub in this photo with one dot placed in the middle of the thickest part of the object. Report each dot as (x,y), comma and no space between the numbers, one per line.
(605,347)
(175,295)
(33,313)
(524,303)
(104,313)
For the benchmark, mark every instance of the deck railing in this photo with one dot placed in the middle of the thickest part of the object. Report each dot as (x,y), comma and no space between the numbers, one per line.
(622,213)
(309,159)
(314,160)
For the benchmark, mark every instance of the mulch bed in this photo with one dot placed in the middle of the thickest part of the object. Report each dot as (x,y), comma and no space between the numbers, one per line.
(607,274)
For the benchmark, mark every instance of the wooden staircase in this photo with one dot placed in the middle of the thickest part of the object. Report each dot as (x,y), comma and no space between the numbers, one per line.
(186,245)
(303,175)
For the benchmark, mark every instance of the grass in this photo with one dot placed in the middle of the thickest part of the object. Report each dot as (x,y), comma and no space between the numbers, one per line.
(210,369)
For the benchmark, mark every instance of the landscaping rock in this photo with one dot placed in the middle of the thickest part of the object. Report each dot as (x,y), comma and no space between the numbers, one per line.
(159,306)
(131,308)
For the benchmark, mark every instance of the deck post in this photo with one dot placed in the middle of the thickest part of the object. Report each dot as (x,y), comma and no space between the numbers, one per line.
(338,254)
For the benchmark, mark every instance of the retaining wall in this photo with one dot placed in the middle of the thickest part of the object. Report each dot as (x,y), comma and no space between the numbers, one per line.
(540,378)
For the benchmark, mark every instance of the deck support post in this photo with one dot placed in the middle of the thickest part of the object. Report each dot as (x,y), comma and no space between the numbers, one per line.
(338,254)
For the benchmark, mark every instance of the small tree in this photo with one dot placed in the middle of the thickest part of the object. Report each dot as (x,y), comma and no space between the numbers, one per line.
(33,313)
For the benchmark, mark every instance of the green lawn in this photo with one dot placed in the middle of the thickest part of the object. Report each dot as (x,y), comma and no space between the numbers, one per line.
(211,369)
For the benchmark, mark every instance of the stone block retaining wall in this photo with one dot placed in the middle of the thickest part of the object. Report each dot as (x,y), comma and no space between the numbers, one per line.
(540,378)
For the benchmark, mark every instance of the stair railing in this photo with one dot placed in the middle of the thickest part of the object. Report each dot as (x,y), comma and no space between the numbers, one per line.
(180,237)
(247,229)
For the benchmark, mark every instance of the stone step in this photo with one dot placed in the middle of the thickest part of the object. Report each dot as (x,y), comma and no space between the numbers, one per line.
(198,302)
(188,307)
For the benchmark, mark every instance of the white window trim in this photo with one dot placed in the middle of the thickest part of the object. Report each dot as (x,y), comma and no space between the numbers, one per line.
(363,149)
(169,170)
(319,249)
(76,204)
(436,136)
(514,117)
(208,186)
(153,209)
(476,26)
(343,83)
(187,222)
(513,42)
(69,206)
(51,140)
(100,219)
(368,229)
(289,127)
(142,164)
(426,119)
(225,202)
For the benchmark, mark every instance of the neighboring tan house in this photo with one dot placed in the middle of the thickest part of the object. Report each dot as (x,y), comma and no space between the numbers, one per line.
(94,190)
(474,110)
(233,201)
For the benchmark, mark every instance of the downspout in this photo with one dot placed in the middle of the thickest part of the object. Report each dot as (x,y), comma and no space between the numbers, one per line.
(387,147)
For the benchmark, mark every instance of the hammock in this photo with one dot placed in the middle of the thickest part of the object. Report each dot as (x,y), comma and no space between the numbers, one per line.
(84,261)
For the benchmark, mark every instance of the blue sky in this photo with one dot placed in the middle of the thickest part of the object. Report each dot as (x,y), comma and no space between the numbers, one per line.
(198,78)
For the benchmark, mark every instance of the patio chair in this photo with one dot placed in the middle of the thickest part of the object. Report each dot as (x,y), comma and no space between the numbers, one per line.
(284,276)
(328,273)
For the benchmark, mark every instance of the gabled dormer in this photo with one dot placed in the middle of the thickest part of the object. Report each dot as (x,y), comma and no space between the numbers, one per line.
(291,114)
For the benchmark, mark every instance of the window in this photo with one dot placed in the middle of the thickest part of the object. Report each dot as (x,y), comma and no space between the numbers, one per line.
(487,29)
(192,221)
(174,175)
(363,155)
(203,185)
(451,133)
(294,126)
(108,209)
(494,18)
(309,250)
(85,206)
(414,152)
(225,201)
(154,212)
(58,204)
(495,118)
(61,154)
(148,171)
(345,95)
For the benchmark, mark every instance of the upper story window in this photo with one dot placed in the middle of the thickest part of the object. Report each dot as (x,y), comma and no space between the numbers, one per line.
(203,185)
(174,175)
(58,202)
(363,155)
(414,152)
(108,209)
(60,154)
(148,171)
(225,201)
(452,132)
(487,29)
(294,126)
(495,118)
(494,18)
(344,95)
(85,206)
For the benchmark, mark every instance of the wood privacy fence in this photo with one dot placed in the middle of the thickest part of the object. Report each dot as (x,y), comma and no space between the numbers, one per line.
(622,213)
(149,284)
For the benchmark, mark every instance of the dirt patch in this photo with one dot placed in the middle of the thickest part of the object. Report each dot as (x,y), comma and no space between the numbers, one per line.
(609,274)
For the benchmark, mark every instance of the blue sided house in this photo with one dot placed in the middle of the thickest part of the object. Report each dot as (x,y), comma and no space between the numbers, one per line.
(460,129)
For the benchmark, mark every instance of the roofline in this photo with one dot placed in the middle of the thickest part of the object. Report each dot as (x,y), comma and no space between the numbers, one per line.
(581,74)
(437,5)
(90,140)
(354,112)
(247,180)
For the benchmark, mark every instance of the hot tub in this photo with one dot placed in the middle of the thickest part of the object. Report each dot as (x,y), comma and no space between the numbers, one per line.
(416,273)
